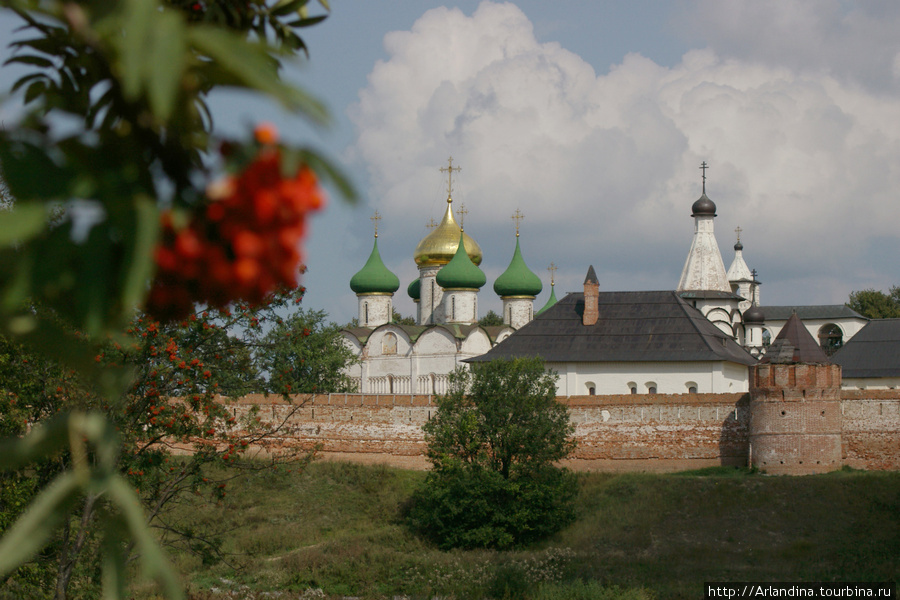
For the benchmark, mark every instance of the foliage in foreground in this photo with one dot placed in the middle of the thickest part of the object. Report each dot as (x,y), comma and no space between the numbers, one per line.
(493,444)
(179,371)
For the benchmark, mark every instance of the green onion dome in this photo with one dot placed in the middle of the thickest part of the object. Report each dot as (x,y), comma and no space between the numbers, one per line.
(415,289)
(461,273)
(374,278)
(550,301)
(517,279)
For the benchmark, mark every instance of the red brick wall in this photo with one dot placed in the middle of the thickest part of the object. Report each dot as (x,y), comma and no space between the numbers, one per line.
(659,432)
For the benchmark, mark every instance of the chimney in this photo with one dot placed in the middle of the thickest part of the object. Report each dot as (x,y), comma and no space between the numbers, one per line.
(591,298)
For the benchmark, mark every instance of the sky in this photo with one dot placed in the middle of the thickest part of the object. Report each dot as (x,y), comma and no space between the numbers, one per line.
(592,119)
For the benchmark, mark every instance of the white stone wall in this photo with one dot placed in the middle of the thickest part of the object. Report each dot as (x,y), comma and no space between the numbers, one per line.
(575,379)
(430,294)
(375,309)
(870,383)
(459,307)
(518,311)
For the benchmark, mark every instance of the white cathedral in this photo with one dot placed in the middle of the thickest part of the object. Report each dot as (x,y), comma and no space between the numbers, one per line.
(699,338)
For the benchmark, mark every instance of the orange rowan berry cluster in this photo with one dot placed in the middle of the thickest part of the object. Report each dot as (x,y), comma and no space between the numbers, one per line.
(243,246)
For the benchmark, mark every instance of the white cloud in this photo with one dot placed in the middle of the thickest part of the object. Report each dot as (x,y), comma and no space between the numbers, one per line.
(806,160)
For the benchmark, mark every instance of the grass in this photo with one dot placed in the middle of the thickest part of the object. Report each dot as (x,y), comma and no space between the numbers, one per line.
(337,528)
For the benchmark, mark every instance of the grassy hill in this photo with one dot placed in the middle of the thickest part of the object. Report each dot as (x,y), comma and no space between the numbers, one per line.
(337,528)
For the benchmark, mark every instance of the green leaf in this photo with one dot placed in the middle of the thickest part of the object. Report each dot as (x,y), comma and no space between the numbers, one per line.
(251,64)
(330,172)
(44,440)
(165,60)
(138,264)
(152,557)
(24,221)
(31,532)
(30,173)
(29,59)
(139,19)
(286,8)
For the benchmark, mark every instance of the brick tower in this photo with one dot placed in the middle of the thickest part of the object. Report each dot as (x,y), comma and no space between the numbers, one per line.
(795,406)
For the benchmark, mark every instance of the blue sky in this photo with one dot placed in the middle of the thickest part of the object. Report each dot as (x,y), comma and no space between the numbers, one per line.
(592,118)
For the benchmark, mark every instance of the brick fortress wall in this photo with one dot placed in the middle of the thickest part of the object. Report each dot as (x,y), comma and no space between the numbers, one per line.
(641,432)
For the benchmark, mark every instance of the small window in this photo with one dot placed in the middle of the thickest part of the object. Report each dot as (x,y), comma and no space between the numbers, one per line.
(691,387)
(632,387)
(591,388)
(651,387)
(766,338)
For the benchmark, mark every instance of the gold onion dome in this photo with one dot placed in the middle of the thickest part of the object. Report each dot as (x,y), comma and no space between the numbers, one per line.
(439,246)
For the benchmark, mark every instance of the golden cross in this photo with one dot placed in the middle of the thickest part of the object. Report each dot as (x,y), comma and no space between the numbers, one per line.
(462,212)
(738,231)
(517,216)
(375,220)
(552,269)
(449,170)
(430,224)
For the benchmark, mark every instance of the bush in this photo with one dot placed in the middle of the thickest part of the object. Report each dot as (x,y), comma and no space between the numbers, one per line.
(492,444)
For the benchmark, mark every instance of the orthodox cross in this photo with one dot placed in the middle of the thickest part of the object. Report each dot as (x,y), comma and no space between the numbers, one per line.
(430,224)
(552,269)
(738,231)
(704,167)
(462,212)
(753,274)
(375,220)
(449,170)
(517,216)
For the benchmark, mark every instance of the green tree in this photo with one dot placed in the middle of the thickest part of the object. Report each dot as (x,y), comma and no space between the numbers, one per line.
(399,319)
(305,354)
(493,444)
(490,319)
(875,304)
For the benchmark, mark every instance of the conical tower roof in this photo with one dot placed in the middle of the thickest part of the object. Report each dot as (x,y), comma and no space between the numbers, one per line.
(439,246)
(739,271)
(374,277)
(794,344)
(518,279)
(461,273)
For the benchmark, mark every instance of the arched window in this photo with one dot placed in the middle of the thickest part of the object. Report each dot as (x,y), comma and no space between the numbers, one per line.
(389,343)
(390,381)
(632,387)
(651,387)
(831,338)
(366,309)
(766,338)
(591,388)
(691,387)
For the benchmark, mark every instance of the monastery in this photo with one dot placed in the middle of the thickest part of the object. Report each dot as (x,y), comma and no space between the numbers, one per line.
(699,338)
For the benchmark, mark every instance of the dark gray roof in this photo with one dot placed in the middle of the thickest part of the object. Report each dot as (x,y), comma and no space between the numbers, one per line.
(708,295)
(633,327)
(806,313)
(794,345)
(873,352)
